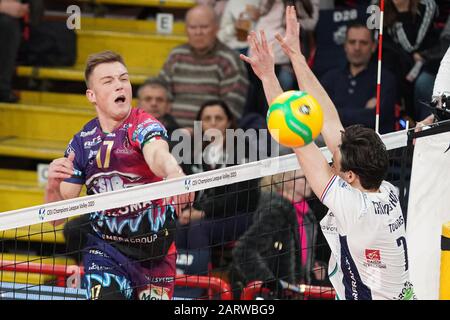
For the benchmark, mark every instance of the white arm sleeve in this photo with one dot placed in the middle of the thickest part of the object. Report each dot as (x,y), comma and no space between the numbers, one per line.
(442,82)
(345,202)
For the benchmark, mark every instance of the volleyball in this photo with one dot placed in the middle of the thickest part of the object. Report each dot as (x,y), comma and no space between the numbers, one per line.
(294,119)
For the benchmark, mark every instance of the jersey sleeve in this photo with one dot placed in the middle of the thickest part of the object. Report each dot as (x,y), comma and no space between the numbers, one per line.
(345,202)
(78,176)
(147,129)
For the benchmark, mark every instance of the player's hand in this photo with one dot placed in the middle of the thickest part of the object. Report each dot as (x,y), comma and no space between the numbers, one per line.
(371,104)
(183,200)
(262,59)
(60,169)
(190,214)
(14,8)
(291,41)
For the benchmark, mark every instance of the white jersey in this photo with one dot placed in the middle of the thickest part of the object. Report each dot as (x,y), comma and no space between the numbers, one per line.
(367,237)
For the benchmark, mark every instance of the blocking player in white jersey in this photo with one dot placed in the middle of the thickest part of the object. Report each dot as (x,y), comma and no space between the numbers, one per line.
(365,227)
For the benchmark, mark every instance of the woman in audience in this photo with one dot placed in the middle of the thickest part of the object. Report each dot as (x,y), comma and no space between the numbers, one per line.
(220,215)
(280,243)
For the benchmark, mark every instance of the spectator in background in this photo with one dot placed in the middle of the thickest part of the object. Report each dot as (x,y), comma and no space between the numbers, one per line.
(409,34)
(441,88)
(238,19)
(272,21)
(353,86)
(154,98)
(218,5)
(280,243)
(423,87)
(10,36)
(203,69)
(218,215)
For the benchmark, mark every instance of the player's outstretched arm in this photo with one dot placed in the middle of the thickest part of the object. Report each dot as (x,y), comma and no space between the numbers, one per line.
(317,171)
(311,159)
(263,65)
(164,165)
(308,82)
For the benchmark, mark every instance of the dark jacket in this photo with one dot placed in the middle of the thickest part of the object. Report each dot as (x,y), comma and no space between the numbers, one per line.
(270,248)
(226,200)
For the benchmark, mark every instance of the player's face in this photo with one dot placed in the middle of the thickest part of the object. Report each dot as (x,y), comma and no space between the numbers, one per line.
(110,91)
(214,117)
(359,46)
(201,29)
(336,164)
(347,176)
(154,101)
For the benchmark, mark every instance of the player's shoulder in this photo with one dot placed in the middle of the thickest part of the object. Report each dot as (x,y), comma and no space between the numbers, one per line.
(387,187)
(89,130)
(142,126)
(139,116)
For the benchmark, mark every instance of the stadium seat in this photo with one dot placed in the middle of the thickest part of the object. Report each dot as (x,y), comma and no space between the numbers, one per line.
(28,129)
(19,189)
(175,4)
(30,278)
(143,49)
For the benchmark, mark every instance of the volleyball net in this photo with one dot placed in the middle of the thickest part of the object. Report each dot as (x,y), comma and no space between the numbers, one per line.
(258,236)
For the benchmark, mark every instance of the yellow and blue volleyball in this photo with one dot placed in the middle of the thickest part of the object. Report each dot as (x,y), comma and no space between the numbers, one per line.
(294,119)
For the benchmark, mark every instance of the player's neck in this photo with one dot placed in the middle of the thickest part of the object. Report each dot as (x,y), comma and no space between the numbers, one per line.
(108,124)
(357,185)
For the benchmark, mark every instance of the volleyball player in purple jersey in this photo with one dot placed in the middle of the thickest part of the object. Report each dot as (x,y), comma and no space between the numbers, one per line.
(130,252)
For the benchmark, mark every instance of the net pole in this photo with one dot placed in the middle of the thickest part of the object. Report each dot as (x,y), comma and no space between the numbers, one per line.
(380,54)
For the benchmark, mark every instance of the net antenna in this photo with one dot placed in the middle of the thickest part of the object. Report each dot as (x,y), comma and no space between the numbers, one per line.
(380,54)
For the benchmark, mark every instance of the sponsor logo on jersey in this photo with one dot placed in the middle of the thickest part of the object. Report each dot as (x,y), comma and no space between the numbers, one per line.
(329,228)
(393,199)
(160,279)
(96,267)
(138,240)
(85,134)
(407,292)
(92,154)
(125,148)
(126,126)
(373,255)
(154,293)
(396,224)
(343,184)
(147,130)
(93,142)
(70,148)
(382,208)
(97,252)
(373,259)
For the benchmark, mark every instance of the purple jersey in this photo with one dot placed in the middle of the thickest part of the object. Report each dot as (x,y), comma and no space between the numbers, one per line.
(113,161)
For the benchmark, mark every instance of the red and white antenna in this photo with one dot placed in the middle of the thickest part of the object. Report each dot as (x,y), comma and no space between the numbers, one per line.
(380,53)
